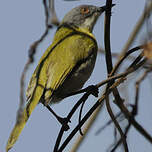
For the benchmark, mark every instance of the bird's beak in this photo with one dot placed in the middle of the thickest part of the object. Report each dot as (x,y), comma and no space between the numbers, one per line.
(104,8)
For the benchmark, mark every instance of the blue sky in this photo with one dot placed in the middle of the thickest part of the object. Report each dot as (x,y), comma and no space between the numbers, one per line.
(22,22)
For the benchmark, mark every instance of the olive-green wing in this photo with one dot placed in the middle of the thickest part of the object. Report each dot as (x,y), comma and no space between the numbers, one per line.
(64,58)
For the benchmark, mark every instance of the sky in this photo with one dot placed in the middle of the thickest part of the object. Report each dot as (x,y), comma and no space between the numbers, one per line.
(23,22)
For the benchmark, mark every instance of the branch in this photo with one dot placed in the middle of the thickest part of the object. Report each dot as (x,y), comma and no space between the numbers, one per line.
(108,57)
(87,115)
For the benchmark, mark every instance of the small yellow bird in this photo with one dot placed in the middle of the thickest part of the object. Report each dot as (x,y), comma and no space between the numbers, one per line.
(65,66)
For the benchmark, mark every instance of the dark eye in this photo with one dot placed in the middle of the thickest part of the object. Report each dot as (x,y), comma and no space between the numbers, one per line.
(85,10)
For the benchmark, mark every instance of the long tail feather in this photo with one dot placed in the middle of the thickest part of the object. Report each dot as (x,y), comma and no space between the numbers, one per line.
(26,114)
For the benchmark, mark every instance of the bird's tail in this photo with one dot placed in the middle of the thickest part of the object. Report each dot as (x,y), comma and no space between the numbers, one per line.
(24,117)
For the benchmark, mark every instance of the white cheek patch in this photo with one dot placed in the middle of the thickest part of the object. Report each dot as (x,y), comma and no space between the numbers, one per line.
(89,21)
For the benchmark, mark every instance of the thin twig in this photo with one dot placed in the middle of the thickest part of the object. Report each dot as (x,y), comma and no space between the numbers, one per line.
(136,29)
(109,65)
(123,137)
(115,55)
(107,36)
(80,115)
(123,57)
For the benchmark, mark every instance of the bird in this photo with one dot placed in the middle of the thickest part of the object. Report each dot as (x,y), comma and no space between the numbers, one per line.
(66,64)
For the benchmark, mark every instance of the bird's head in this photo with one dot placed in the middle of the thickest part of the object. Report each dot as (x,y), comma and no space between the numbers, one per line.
(84,16)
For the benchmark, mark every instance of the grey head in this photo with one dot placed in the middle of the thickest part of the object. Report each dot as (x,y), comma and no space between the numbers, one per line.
(83,16)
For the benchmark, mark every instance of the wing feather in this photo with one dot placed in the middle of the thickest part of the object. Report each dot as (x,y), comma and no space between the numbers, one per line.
(63,60)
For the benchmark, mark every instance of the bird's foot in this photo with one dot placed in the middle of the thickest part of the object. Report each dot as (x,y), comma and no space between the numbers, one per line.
(64,122)
(92,89)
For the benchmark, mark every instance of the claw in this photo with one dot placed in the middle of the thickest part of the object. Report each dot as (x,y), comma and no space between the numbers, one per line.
(93,90)
(64,122)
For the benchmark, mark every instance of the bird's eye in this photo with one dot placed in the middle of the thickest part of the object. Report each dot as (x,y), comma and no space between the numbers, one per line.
(84,10)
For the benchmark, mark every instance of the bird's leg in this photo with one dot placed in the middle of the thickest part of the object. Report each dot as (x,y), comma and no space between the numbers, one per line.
(93,89)
(63,121)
